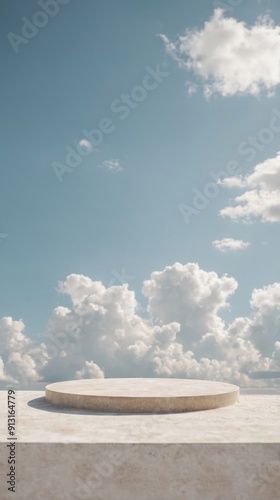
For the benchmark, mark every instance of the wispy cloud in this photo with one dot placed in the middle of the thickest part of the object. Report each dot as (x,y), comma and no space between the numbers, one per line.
(229,244)
(112,165)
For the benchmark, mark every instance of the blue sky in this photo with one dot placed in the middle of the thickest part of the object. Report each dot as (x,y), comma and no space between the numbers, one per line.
(98,221)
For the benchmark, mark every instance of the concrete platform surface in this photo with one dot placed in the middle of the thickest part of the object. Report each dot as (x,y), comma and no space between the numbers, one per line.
(230,453)
(134,395)
(255,418)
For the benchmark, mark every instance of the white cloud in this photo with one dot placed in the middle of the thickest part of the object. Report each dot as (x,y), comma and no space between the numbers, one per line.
(18,353)
(230,57)
(191,88)
(232,182)
(230,244)
(191,297)
(265,327)
(90,370)
(86,145)
(112,165)
(183,335)
(262,197)
(276,357)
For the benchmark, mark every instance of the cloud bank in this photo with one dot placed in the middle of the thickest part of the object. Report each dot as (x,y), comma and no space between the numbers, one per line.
(183,335)
(228,56)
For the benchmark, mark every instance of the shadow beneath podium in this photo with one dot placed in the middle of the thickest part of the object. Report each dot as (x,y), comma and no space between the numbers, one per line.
(43,405)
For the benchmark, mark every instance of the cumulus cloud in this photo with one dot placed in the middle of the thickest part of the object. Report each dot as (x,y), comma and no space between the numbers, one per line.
(18,353)
(112,165)
(182,335)
(227,244)
(190,296)
(90,370)
(228,56)
(265,327)
(261,198)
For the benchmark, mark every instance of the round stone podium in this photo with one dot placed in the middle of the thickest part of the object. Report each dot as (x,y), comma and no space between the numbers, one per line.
(141,395)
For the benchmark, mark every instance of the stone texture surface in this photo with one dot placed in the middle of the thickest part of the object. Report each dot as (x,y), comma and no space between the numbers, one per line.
(136,395)
(230,453)
(254,419)
(147,472)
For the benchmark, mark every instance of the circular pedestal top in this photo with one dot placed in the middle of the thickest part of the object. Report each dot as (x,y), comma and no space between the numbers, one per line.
(142,395)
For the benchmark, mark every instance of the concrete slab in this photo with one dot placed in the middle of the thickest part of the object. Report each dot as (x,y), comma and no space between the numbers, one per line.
(254,419)
(228,453)
(134,395)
